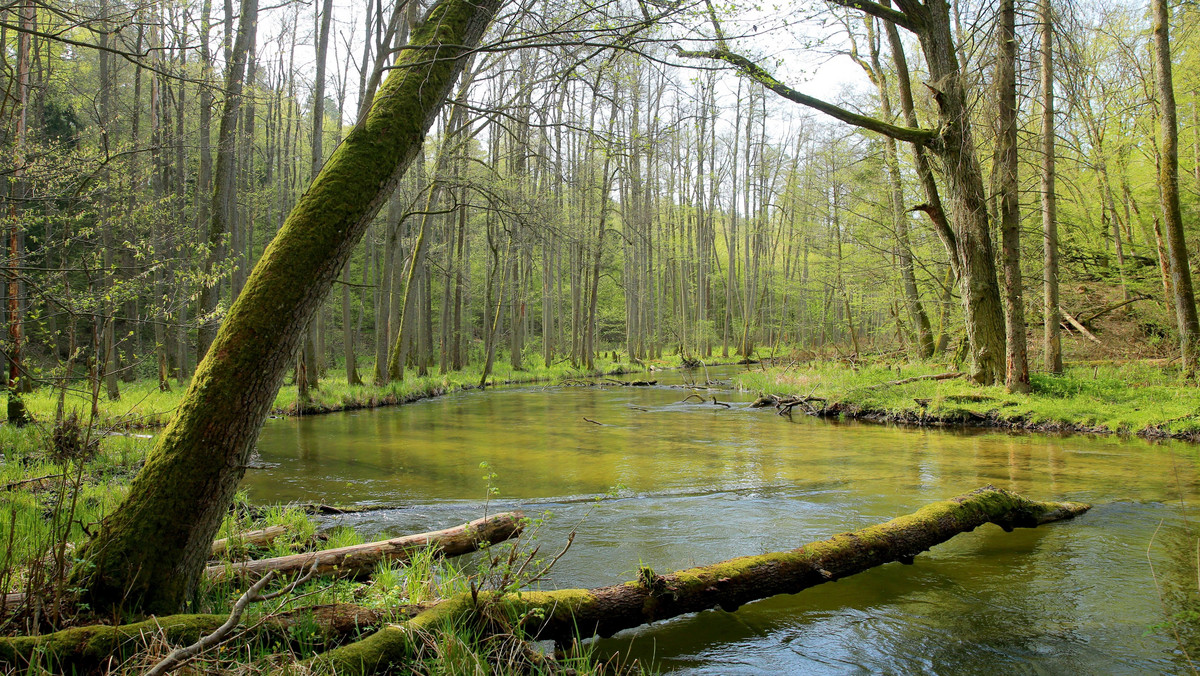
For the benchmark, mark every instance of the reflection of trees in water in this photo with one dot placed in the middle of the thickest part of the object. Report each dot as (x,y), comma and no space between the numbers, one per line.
(1173,555)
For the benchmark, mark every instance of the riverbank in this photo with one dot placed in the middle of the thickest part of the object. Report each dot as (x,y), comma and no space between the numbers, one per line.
(143,406)
(1131,399)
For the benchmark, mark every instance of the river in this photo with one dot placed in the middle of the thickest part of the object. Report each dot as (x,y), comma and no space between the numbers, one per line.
(701,483)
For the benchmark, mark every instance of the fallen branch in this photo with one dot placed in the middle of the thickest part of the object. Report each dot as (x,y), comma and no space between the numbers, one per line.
(904,381)
(1096,315)
(252,538)
(355,560)
(1079,327)
(252,595)
(717,403)
(17,484)
(565,614)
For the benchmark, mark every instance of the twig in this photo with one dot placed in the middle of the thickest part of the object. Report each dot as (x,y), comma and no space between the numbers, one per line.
(252,595)
(9,487)
(593,421)
(685,399)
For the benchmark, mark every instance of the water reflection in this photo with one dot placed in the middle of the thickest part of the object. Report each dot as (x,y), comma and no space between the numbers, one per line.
(706,483)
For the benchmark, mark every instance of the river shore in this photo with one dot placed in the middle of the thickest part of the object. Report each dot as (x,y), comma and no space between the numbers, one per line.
(1129,399)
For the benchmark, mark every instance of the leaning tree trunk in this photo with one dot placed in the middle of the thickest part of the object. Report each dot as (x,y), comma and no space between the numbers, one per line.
(967,203)
(563,615)
(148,555)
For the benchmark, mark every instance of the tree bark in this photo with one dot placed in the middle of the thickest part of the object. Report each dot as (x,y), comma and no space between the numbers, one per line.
(149,554)
(1016,378)
(1051,340)
(1168,186)
(565,614)
(224,197)
(356,560)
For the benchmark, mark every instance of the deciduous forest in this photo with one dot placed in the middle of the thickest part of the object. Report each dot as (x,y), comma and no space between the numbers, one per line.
(925,213)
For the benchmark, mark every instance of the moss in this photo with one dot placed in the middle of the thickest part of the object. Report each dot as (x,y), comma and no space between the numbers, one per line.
(151,551)
(83,648)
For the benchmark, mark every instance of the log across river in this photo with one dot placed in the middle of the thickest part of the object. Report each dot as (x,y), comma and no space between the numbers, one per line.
(705,483)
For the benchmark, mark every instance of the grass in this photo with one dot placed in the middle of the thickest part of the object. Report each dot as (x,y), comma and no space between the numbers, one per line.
(142,405)
(1129,398)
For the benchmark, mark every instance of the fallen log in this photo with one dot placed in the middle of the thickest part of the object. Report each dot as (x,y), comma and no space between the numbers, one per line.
(355,560)
(84,649)
(563,615)
(252,538)
(1079,327)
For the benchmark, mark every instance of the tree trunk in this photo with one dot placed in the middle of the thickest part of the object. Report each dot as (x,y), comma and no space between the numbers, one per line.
(148,554)
(1052,340)
(17,413)
(563,615)
(1168,187)
(224,197)
(912,297)
(1016,377)
(968,203)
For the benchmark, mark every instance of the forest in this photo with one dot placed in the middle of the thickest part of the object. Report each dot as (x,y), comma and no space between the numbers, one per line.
(224,219)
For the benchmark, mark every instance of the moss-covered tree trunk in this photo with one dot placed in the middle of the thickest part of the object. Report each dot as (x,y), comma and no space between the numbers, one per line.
(149,554)
(565,614)
(966,195)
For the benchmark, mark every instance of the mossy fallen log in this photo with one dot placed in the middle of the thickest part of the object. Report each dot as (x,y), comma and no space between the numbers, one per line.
(357,560)
(90,648)
(563,615)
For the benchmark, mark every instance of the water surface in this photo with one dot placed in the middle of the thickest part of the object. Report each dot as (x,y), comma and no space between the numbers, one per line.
(702,483)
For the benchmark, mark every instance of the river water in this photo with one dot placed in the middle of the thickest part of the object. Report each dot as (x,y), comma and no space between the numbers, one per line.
(700,483)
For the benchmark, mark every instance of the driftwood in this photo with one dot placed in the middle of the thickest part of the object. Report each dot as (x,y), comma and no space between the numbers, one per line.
(784,404)
(563,615)
(251,538)
(1079,327)
(357,560)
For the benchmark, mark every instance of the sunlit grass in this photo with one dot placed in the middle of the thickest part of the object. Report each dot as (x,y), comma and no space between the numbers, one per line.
(1126,398)
(143,405)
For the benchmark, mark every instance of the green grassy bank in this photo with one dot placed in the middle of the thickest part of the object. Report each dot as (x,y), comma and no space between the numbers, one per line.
(143,405)
(1135,398)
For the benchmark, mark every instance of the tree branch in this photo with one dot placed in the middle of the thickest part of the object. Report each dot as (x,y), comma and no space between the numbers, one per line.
(761,76)
(878,11)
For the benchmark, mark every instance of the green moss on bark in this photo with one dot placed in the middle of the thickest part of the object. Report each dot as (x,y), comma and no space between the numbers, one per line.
(86,648)
(150,552)
(562,615)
